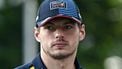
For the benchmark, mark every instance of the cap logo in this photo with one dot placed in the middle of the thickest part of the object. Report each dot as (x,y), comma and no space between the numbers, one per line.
(57,5)
(37,18)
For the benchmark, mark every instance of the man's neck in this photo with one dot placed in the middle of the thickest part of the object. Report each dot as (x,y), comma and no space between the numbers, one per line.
(51,63)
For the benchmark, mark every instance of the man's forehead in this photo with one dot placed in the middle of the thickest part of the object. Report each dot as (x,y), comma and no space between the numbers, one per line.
(61,21)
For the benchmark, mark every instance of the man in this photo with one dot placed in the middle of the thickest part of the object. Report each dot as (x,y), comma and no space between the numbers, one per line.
(59,29)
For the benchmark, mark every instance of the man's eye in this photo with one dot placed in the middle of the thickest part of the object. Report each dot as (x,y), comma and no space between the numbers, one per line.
(50,27)
(68,27)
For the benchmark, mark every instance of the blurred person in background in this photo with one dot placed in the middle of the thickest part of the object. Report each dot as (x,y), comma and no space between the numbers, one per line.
(59,29)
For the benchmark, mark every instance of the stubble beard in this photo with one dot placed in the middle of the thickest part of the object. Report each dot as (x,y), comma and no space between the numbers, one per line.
(60,55)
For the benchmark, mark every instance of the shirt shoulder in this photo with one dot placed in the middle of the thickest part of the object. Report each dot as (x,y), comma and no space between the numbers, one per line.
(36,63)
(25,66)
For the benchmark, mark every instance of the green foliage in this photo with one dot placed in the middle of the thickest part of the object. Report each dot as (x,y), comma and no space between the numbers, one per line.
(10,36)
(103,32)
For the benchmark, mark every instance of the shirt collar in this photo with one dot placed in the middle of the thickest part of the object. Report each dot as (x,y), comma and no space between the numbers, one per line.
(38,63)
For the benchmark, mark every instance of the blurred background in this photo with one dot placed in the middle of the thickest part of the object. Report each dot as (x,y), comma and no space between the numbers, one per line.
(101,49)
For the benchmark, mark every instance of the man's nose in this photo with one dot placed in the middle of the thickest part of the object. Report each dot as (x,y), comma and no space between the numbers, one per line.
(59,34)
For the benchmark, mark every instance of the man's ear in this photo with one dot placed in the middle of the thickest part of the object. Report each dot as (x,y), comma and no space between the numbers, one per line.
(36,34)
(82,32)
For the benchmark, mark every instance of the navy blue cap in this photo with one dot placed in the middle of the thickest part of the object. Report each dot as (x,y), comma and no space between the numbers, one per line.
(50,9)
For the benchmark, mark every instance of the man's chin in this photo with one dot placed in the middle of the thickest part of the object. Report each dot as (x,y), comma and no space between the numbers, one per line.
(61,55)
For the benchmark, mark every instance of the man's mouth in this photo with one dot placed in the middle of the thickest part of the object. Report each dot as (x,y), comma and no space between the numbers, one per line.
(60,45)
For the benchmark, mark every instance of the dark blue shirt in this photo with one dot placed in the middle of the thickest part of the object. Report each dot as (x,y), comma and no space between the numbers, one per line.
(37,63)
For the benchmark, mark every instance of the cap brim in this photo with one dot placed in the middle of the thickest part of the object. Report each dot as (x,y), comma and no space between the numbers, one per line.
(54,17)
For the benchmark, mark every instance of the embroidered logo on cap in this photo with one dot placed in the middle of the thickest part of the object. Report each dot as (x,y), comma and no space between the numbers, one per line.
(37,18)
(57,5)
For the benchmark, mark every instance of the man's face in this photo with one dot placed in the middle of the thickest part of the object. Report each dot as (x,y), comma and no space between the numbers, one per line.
(59,38)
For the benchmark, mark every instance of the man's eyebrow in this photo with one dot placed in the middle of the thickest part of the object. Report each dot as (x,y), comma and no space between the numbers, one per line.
(49,23)
(65,22)
(70,22)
